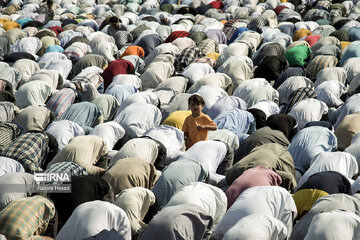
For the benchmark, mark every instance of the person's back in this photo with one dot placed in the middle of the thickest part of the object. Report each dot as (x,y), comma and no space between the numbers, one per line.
(196,125)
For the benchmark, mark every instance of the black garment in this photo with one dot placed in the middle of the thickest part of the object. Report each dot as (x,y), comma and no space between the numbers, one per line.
(321,124)
(13,57)
(271,67)
(284,123)
(42,34)
(67,21)
(77,39)
(295,70)
(6,96)
(83,189)
(36,24)
(149,42)
(269,49)
(260,117)
(330,182)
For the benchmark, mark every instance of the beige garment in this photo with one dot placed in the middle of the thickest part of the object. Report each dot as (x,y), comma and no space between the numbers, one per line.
(220,80)
(27,68)
(33,118)
(83,150)
(135,202)
(131,172)
(348,127)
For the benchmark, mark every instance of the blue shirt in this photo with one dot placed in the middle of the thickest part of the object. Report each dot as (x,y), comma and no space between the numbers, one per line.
(308,143)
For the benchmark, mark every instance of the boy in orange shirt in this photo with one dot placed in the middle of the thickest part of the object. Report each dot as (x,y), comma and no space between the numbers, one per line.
(196,125)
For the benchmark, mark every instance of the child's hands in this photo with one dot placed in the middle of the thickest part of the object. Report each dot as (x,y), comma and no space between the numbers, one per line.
(200,127)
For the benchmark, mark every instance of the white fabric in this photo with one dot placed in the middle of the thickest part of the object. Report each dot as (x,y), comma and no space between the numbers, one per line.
(244,88)
(273,201)
(111,132)
(225,136)
(64,131)
(257,226)
(8,165)
(136,124)
(32,93)
(354,148)
(146,97)
(135,202)
(334,225)
(330,92)
(211,95)
(209,154)
(350,106)
(267,106)
(27,44)
(196,71)
(341,162)
(308,110)
(126,79)
(291,85)
(56,61)
(210,198)
(90,218)
(143,148)
(171,137)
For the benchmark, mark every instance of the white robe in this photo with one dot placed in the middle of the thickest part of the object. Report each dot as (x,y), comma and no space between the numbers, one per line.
(90,218)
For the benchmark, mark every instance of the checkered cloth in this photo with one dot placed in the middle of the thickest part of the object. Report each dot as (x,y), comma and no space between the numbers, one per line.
(30,149)
(208,46)
(8,133)
(69,167)
(26,218)
(175,35)
(316,14)
(297,96)
(186,57)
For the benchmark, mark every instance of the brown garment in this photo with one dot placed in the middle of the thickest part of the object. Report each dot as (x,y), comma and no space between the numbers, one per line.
(346,130)
(131,172)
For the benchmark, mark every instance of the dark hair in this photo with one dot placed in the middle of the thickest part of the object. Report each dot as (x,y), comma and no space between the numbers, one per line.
(49,2)
(114,19)
(197,99)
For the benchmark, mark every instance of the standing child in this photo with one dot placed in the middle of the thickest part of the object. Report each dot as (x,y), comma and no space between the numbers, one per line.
(50,13)
(196,125)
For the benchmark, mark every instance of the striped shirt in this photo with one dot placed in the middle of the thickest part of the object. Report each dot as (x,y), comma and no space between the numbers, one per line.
(8,133)
(297,96)
(61,101)
(30,149)
(26,218)
(320,62)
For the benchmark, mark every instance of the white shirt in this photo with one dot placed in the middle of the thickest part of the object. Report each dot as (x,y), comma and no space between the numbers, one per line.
(90,218)
(8,165)
(257,226)
(111,132)
(308,110)
(273,201)
(341,162)
(64,131)
(171,137)
(330,92)
(210,198)
(209,154)
(143,148)
(334,225)
(195,71)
